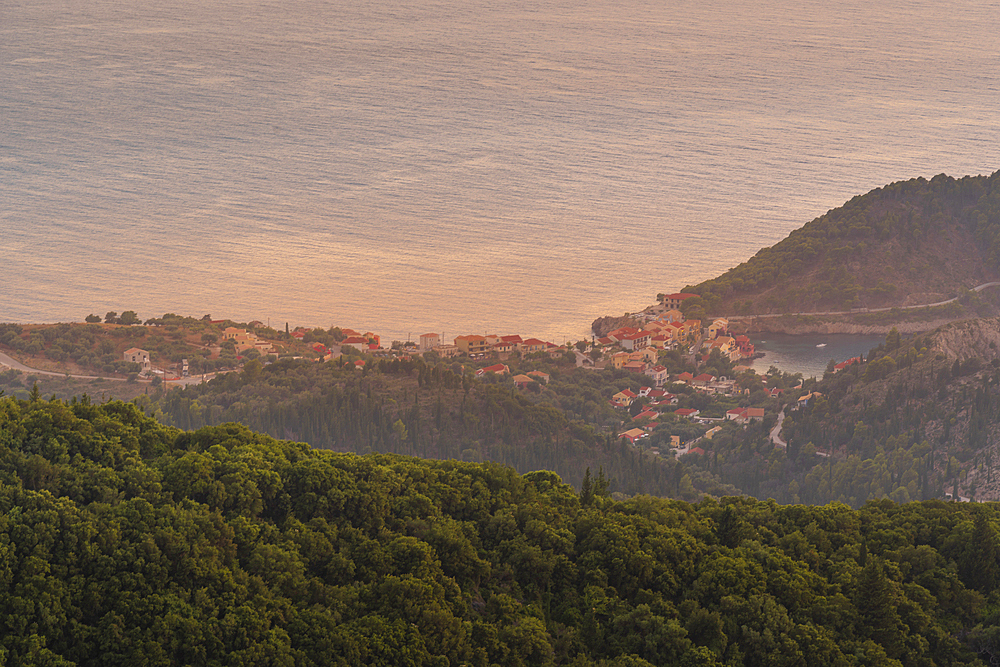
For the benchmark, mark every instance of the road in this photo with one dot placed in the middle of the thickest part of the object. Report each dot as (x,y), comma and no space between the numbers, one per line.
(18,366)
(776,431)
(10,362)
(977,288)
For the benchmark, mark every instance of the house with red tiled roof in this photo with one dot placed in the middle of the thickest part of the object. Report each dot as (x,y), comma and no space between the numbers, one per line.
(744,345)
(357,342)
(685,377)
(658,374)
(635,366)
(473,344)
(504,347)
(429,341)
(605,340)
(806,399)
(646,414)
(672,315)
(702,380)
(556,351)
(687,412)
(697,450)
(540,376)
(844,364)
(633,435)
(532,345)
(521,381)
(660,341)
(623,399)
(635,341)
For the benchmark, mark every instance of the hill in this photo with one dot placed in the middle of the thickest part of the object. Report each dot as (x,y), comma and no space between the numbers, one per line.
(125,542)
(910,242)
(918,418)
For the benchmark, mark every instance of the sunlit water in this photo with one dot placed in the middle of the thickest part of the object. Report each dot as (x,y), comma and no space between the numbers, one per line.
(455,166)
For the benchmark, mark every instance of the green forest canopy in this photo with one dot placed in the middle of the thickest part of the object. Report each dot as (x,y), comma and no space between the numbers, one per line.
(128,542)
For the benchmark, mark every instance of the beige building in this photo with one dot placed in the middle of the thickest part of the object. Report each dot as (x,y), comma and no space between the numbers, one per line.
(429,341)
(473,344)
(137,356)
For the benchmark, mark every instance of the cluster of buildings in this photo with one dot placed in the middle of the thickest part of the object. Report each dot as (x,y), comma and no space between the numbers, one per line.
(521,381)
(362,342)
(668,329)
(246,340)
(479,347)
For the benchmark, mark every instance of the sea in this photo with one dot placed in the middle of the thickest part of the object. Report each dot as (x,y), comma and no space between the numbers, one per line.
(456,166)
(810,355)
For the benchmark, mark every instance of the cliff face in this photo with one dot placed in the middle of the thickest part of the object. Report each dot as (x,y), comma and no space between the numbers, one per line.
(969,339)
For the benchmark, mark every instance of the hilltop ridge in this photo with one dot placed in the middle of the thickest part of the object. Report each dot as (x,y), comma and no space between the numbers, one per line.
(907,243)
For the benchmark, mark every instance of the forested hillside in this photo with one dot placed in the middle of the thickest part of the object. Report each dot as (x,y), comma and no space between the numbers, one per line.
(125,542)
(927,409)
(434,411)
(914,241)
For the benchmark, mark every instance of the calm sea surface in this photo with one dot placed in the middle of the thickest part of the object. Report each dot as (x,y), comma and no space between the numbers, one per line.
(455,166)
(810,355)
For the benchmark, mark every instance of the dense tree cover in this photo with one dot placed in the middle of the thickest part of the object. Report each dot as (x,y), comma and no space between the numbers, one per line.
(872,251)
(907,423)
(98,348)
(127,542)
(436,411)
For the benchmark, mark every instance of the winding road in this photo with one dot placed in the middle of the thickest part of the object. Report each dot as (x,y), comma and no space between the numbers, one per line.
(10,362)
(977,288)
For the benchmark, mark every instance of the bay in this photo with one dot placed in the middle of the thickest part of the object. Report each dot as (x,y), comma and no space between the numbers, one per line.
(810,354)
(455,166)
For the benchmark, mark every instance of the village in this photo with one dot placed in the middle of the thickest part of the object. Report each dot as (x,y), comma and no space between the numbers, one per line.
(661,368)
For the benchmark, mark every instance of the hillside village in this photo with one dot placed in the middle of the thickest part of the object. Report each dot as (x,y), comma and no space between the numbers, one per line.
(678,383)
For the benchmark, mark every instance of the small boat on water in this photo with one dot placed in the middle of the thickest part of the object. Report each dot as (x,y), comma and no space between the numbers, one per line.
(821,345)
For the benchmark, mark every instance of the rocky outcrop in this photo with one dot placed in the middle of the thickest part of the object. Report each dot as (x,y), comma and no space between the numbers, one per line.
(602,325)
(969,338)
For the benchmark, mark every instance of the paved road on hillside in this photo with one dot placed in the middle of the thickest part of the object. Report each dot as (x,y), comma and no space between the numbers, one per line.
(10,362)
(775,437)
(977,288)
(18,366)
